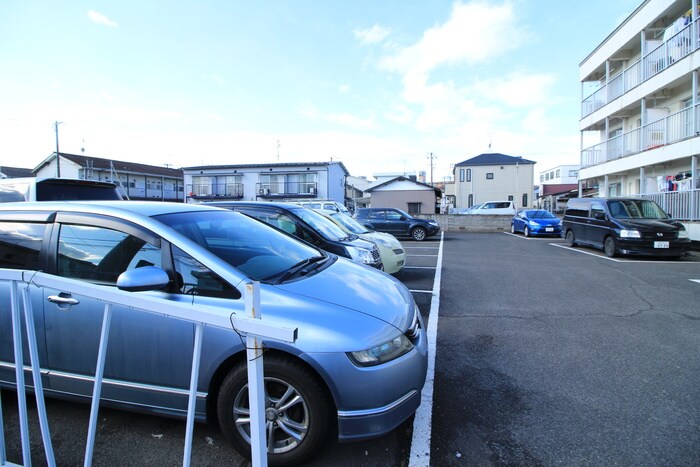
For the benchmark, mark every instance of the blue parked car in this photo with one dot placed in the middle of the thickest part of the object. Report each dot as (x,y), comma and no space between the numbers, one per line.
(536,222)
(356,370)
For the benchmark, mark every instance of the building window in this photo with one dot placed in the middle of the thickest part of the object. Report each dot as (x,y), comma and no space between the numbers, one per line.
(573,173)
(558,173)
(469,175)
(414,208)
(470,203)
(541,178)
(489,175)
(524,200)
(510,197)
(461,175)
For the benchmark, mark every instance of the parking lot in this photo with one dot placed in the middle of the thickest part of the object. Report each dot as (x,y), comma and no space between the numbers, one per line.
(545,355)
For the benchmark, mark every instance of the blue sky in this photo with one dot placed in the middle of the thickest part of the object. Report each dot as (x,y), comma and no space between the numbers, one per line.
(377,85)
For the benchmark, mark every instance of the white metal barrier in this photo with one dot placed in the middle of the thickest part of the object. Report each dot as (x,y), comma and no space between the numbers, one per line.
(252,326)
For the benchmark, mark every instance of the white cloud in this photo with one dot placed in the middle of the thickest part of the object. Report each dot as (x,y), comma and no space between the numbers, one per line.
(476,32)
(344,88)
(99,18)
(373,35)
(517,89)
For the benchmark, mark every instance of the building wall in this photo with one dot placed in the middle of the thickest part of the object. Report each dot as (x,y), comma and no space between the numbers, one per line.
(401,194)
(508,182)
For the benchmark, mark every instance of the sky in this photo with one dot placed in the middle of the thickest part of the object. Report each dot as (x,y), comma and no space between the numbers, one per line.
(379,85)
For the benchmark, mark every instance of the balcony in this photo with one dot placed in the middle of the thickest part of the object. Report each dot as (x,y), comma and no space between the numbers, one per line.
(215,192)
(676,127)
(651,64)
(275,190)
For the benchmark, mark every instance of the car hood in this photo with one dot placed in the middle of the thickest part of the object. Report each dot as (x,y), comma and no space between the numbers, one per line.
(364,290)
(390,239)
(646,225)
(546,221)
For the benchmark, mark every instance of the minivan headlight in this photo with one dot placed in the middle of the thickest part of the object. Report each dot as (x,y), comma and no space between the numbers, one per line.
(382,353)
(361,255)
(683,234)
(630,233)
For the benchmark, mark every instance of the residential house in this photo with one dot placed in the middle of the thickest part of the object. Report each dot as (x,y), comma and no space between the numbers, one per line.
(137,181)
(406,194)
(494,177)
(266,182)
(355,192)
(640,110)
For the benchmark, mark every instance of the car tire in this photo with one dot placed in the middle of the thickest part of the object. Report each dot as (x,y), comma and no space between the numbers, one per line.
(610,247)
(512,228)
(570,239)
(526,231)
(309,417)
(418,234)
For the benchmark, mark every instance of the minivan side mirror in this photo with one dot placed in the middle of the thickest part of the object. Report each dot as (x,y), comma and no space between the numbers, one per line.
(143,279)
(599,216)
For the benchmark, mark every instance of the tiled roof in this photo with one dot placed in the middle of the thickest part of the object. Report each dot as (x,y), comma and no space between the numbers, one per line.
(119,166)
(495,158)
(14,172)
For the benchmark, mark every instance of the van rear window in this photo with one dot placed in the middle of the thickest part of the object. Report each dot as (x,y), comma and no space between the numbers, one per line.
(71,191)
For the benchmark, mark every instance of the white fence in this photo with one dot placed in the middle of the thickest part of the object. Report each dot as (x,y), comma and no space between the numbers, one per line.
(251,325)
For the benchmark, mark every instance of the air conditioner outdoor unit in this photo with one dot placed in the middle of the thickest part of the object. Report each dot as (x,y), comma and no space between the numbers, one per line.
(312,190)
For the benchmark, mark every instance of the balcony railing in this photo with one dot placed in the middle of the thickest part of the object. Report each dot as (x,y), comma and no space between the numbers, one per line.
(654,62)
(676,127)
(287,189)
(217,191)
(681,205)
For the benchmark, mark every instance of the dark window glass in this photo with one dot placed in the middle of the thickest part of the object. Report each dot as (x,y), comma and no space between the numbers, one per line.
(196,279)
(20,244)
(577,210)
(73,190)
(414,208)
(469,175)
(97,254)
(489,176)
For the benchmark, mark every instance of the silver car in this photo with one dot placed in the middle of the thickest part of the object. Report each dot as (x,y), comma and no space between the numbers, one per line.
(358,328)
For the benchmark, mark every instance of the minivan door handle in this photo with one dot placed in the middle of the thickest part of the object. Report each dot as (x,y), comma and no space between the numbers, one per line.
(63,299)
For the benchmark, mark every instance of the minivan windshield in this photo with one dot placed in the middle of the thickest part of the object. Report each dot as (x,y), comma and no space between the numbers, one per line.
(254,248)
(636,209)
(320,224)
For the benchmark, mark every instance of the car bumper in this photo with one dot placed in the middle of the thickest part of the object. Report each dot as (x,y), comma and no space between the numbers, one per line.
(645,247)
(542,230)
(372,401)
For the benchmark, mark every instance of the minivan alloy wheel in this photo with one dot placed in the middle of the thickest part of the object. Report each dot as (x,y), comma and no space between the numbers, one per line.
(610,247)
(297,411)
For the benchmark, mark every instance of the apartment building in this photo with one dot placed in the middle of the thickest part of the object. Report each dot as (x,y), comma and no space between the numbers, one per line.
(136,181)
(266,182)
(640,110)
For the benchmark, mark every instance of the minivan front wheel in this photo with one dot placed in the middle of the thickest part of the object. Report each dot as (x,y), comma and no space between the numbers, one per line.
(298,411)
(610,247)
(418,234)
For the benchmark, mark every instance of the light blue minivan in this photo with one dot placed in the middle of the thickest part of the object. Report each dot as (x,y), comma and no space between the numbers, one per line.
(358,328)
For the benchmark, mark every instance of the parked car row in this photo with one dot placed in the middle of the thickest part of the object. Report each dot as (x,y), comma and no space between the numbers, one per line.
(618,226)
(358,327)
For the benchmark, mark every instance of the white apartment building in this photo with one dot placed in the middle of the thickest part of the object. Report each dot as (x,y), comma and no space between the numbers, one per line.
(560,175)
(640,112)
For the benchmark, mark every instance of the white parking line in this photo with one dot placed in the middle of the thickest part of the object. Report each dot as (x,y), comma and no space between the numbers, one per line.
(430,291)
(617,260)
(422,423)
(419,267)
(695,280)
(430,256)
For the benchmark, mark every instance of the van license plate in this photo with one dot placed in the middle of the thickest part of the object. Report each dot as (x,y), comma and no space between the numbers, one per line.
(660,244)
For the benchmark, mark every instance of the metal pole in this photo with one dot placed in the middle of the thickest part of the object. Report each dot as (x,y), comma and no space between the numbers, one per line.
(58,154)
(256,381)
(194,378)
(19,376)
(97,389)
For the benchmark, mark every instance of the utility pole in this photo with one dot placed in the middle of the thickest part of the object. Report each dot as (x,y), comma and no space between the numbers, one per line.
(58,154)
(431,156)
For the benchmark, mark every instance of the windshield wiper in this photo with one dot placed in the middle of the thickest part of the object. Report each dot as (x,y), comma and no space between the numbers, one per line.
(303,267)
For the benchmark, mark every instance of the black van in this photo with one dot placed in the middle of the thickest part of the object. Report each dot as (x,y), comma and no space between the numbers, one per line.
(627,226)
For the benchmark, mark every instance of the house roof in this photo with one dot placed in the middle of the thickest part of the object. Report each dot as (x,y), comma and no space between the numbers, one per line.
(495,158)
(119,166)
(402,179)
(266,166)
(14,172)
